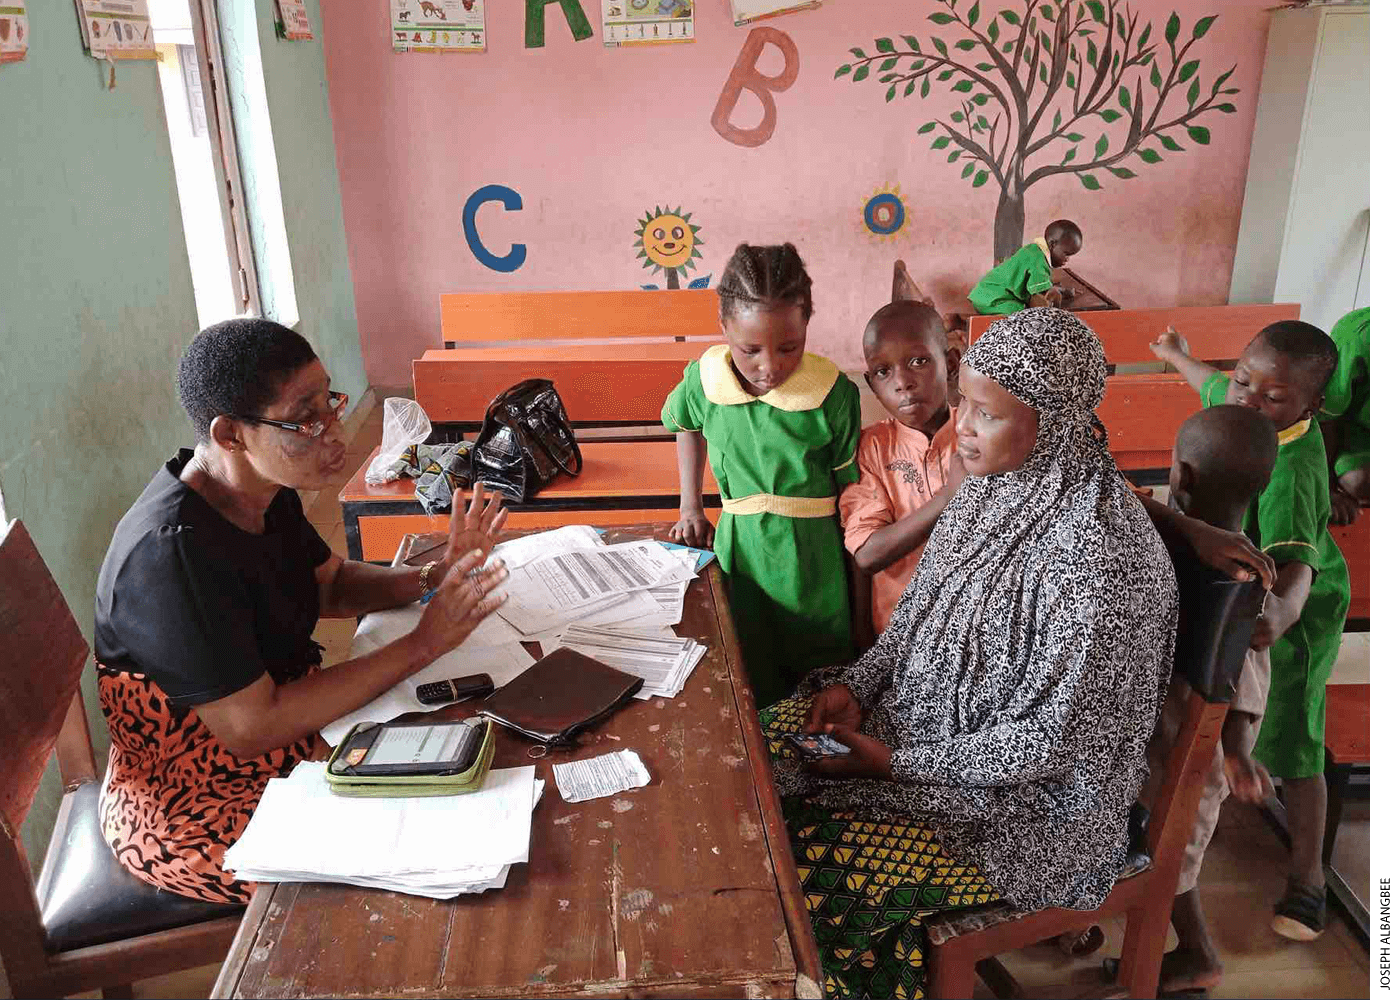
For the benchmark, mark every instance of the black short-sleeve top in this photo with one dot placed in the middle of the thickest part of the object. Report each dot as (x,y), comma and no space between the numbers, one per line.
(201,606)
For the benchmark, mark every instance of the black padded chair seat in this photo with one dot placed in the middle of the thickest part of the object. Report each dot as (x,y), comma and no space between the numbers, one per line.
(87,898)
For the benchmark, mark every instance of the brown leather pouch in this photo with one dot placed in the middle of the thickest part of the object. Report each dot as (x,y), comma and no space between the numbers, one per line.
(562,694)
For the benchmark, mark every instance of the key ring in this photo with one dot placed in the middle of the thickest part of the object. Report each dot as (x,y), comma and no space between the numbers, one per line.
(543,751)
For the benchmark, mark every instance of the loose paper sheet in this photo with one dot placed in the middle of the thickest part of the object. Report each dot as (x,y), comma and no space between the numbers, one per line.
(596,777)
(443,26)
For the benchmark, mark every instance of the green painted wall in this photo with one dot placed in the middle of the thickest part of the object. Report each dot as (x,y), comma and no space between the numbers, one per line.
(97,301)
(294,78)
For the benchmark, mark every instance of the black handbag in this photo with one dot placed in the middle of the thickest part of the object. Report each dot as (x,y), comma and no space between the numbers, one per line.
(525,441)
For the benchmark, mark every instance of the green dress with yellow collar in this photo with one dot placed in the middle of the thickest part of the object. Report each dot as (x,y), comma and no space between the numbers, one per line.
(1008,287)
(780,460)
(1289,522)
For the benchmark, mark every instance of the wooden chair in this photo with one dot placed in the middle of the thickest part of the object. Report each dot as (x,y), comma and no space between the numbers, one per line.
(1217,617)
(91,923)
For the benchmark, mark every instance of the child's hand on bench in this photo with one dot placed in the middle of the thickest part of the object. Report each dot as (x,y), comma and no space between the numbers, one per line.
(694,529)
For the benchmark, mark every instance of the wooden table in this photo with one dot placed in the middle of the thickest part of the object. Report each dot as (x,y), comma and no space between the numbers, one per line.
(1087,298)
(684,888)
(622,483)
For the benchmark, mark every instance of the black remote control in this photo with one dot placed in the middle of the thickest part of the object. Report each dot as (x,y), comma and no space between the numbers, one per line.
(439,692)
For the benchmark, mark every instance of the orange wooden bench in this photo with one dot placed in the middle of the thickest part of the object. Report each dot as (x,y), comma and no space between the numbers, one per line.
(613,356)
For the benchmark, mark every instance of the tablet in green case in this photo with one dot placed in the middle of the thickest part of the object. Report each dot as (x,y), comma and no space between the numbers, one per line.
(409,759)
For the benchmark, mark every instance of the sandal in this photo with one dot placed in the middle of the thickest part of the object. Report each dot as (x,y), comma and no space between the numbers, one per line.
(1301,914)
(1110,974)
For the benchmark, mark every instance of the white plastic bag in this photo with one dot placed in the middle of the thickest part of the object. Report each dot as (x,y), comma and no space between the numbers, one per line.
(405,423)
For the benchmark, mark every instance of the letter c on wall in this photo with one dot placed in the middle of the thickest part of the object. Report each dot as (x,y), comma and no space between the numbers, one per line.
(511,200)
(745,76)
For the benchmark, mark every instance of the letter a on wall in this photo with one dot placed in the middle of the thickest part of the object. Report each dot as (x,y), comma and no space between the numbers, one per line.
(745,76)
(512,203)
(534,21)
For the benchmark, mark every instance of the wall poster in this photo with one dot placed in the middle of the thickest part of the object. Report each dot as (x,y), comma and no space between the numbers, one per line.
(293,21)
(117,29)
(445,26)
(14,31)
(647,22)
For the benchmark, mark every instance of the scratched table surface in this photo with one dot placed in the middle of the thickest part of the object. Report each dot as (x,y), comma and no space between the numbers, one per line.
(686,887)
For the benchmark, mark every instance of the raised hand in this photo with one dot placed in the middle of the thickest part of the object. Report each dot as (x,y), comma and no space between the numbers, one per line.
(477,527)
(1170,345)
(466,595)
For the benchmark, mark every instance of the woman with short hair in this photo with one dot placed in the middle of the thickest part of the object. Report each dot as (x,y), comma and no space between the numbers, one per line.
(208,597)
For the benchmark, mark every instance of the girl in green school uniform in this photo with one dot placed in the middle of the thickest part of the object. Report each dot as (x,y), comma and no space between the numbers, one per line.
(780,427)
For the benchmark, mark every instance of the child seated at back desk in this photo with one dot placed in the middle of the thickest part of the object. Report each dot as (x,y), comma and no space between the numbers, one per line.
(909,468)
(1025,278)
(1282,373)
(1224,457)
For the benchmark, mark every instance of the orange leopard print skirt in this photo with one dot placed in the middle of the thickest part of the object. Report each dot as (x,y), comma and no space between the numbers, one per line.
(175,798)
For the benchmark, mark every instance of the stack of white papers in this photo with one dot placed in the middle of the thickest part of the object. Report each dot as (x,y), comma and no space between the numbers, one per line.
(663,661)
(552,590)
(438,846)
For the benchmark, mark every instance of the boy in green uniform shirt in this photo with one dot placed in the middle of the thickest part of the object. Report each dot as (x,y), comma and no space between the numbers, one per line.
(1024,279)
(1282,374)
(1346,408)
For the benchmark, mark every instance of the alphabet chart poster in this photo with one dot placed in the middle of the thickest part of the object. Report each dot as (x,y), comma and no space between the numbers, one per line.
(751,10)
(117,29)
(14,31)
(647,22)
(441,26)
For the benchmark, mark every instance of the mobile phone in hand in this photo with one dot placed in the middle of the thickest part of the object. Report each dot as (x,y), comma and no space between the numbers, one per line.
(815,746)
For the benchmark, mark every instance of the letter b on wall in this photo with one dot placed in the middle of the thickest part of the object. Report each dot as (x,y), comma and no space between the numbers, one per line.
(511,200)
(745,76)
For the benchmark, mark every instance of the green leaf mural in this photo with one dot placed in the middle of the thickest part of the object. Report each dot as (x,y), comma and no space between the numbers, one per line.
(1033,76)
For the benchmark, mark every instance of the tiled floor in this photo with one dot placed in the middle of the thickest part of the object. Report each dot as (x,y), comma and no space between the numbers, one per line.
(1242,876)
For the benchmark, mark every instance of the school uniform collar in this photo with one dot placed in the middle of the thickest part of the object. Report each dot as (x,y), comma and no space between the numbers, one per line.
(1290,434)
(917,440)
(805,389)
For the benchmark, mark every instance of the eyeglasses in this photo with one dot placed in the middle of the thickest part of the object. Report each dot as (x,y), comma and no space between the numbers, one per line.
(335,403)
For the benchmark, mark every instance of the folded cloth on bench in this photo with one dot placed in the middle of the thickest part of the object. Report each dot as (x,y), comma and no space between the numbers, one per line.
(439,469)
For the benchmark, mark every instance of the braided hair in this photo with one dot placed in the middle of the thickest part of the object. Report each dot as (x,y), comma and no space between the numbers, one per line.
(765,276)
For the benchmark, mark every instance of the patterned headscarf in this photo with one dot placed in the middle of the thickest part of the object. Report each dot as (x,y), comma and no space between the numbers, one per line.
(1021,672)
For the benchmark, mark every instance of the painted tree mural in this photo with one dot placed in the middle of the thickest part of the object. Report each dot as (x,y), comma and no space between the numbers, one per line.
(1037,79)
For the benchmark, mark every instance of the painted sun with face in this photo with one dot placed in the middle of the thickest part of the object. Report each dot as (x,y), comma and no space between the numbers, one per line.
(667,241)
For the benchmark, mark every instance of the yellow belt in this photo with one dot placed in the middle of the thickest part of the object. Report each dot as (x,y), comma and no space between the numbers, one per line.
(768,503)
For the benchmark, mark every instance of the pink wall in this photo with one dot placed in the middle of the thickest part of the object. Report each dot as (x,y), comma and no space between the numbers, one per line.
(592,138)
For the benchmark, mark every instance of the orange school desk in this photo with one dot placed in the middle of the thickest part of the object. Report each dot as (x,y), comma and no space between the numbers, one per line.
(686,887)
(622,482)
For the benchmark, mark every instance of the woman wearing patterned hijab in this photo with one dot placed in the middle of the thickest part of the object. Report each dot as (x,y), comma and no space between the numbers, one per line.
(1001,721)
